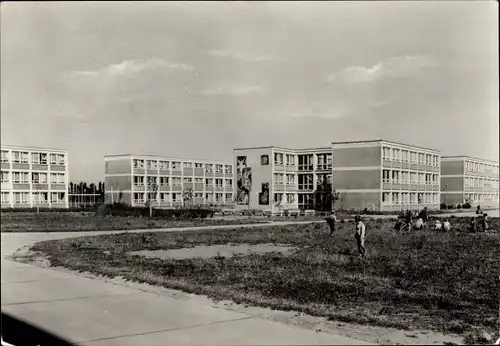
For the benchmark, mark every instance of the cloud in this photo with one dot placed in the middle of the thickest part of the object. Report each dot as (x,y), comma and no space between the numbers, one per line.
(247,58)
(395,67)
(130,67)
(233,90)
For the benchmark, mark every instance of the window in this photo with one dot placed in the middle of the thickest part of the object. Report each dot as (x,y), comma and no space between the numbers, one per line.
(435,180)
(290,159)
(228,169)
(152,196)
(176,181)
(21,197)
(138,164)
(164,181)
(476,166)
(209,182)
(152,164)
(278,178)
(428,179)
(35,158)
(290,198)
(176,165)
(20,157)
(138,180)
(138,197)
(421,158)
(198,180)
(421,178)
(39,178)
(151,181)
(57,178)
(187,165)
(387,153)
(229,182)
(198,165)
(386,198)
(209,197)
(5,156)
(322,161)
(218,168)
(278,158)
(5,198)
(40,197)
(20,177)
(420,197)
(290,179)
(188,180)
(305,182)
(198,195)
(397,154)
(428,159)
(176,197)
(209,168)
(229,198)
(57,197)
(57,159)
(395,198)
(405,198)
(218,197)
(386,176)
(395,177)
(405,176)
(428,198)
(413,178)
(306,162)
(413,157)
(219,183)
(164,197)
(405,156)
(163,164)
(436,160)
(278,197)
(413,198)
(5,177)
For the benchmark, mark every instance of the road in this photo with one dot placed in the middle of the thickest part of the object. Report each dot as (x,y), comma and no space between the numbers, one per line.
(89,311)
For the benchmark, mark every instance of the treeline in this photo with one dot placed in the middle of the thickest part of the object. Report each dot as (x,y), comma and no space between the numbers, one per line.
(86,189)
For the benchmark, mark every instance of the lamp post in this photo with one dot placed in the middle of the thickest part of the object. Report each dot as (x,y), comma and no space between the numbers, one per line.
(154,188)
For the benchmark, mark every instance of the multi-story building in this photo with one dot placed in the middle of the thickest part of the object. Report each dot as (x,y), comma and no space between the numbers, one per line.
(167,182)
(268,177)
(467,179)
(386,176)
(377,175)
(34,177)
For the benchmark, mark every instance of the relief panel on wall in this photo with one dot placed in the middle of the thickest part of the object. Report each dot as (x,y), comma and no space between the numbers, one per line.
(243,180)
(264,160)
(264,194)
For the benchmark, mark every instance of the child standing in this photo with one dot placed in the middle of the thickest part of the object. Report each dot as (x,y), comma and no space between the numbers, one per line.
(360,235)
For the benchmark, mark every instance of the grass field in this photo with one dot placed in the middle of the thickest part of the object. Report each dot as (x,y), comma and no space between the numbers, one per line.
(77,222)
(439,281)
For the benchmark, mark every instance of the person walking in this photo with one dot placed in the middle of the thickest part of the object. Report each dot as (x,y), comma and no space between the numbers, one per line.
(484,222)
(331,221)
(360,235)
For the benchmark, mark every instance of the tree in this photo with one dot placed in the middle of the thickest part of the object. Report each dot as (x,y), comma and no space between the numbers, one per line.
(99,189)
(342,198)
(188,196)
(71,187)
(80,187)
(335,197)
(84,189)
(92,188)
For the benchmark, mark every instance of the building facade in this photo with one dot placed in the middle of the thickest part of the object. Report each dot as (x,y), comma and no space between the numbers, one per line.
(467,179)
(167,182)
(34,177)
(386,176)
(274,177)
(376,175)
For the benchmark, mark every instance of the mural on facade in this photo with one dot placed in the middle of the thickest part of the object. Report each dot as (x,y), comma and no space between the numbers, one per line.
(264,194)
(243,180)
(264,160)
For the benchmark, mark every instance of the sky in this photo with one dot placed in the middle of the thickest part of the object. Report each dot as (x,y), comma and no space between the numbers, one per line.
(197,79)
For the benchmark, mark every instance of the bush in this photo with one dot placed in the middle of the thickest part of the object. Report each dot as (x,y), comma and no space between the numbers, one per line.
(120,209)
(451,206)
(466,205)
(91,208)
(443,206)
(459,206)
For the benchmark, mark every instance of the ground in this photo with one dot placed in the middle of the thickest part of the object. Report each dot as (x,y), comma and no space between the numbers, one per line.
(421,281)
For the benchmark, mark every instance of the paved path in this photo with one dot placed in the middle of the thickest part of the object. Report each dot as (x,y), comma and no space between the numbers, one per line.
(93,312)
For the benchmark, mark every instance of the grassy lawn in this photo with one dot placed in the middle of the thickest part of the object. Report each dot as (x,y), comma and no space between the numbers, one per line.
(440,281)
(78,222)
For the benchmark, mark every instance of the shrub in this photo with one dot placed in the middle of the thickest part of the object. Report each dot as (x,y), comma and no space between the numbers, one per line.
(120,209)
(443,206)
(466,205)
(459,206)
(451,206)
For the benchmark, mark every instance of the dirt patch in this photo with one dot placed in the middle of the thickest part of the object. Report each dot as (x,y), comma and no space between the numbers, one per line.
(214,251)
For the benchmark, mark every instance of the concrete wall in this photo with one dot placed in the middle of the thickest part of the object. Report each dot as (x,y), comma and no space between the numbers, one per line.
(260,174)
(123,166)
(454,184)
(452,167)
(360,200)
(452,198)
(118,197)
(118,183)
(357,157)
(357,179)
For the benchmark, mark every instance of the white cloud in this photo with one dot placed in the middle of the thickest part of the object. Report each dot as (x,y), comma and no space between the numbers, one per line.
(128,67)
(232,90)
(248,58)
(395,67)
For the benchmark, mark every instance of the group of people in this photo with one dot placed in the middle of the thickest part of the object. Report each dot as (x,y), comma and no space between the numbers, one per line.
(359,234)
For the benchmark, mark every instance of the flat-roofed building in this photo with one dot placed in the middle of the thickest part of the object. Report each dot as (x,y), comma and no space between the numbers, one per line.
(167,182)
(468,179)
(385,176)
(32,177)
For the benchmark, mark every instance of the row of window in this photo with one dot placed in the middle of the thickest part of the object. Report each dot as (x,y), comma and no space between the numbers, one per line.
(481,167)
(406,177)
(36,158)
(410,198)
(281,178)
(161,164)
(304,160)
(475,197)
(401,155)
(281,159)
(280,198)
(481,182)
(35,197)
(176,181)
(36,178)
(176,197)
